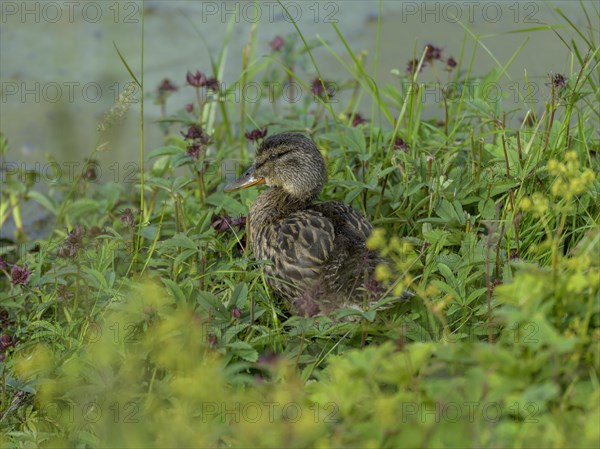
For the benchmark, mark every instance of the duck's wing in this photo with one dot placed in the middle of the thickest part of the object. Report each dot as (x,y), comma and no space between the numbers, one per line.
(318,256)
(304,243)
(345,220)
(299,247)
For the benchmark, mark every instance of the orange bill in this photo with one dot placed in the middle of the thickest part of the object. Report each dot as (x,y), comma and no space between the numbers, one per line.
(248,179)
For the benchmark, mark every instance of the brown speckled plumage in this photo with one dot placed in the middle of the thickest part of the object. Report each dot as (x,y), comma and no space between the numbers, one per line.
(319,261)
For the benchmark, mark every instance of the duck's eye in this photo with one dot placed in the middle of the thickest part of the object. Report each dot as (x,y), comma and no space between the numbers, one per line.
(273,156)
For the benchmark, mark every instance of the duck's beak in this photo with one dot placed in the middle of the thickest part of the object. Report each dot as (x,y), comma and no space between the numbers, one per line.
(248,179)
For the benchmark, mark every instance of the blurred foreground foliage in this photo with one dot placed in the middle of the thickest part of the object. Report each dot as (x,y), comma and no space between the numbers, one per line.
(141,320)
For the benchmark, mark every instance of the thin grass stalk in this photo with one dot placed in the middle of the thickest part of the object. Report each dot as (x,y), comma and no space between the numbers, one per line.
(141,223)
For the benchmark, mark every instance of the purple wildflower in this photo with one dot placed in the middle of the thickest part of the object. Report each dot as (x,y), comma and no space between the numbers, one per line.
(195,79)
(277,43)
(194,150)
(358,119)
(220,223)
(6,341)
(212,84)
(213,341)
(240,222)
(166,86)
(559,80)
(193,132)
(20,275)
(319,88)
(432,52)
(400,144)
(127,218)
(256,134)
(412,65)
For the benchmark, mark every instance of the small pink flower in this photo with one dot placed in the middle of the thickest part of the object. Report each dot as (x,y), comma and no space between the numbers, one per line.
(358,120)
(433,52)
(256,134)
(412,65)
(167,86)
(277,43)
(559,80)
(193,132)
(240,222)
(400,144)
(212,84)
(194,150)
(195,79)
(319,88)
(127,217)
(220,223)
(20,275)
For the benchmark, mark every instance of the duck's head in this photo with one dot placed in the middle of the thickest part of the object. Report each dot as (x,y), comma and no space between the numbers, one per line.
(289,161)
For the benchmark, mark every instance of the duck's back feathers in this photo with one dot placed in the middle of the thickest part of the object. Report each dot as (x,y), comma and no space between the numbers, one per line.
(299,246)
(345,219)
(319,258)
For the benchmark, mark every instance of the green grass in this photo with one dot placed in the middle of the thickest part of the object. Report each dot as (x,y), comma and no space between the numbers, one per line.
(156,328)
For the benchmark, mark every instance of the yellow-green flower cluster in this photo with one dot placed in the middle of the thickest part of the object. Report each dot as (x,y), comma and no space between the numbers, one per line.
(377,240)
(537,204)
(570,180)
(400,253)
(394,247)
(582,274)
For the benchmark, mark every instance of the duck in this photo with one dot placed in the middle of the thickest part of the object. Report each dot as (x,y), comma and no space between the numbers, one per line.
(317,253)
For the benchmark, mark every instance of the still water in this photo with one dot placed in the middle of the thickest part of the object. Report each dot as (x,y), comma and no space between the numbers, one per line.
(60,71)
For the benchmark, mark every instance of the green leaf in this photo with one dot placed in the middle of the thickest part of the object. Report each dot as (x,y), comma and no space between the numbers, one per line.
(180,240)
(445,210)
(83,206)
(458,212)
(43,200)
(487,209)
(437,237)
(446,272)
(446,288)
(127,65)
(476,294)
(244,351)
(210,302)
(96,278)
(165,151)
(175,291)
(149,232)
(239,296)
(185,254)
